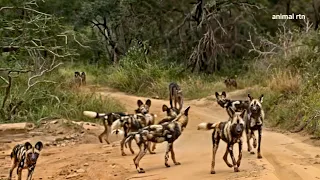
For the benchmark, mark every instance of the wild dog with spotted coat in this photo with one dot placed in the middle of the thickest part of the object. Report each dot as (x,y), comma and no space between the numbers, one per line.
(254,120)
(83,78)
(230,132)
(132,123)
(175,93)
(25,156)
(237,105)
(171,113)
(110,125)
(230,83)
(169,131)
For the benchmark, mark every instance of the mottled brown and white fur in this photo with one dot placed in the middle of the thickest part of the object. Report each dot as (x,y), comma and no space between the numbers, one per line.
(237,105)
(25,156)
(169,131)
(254,121)
(175,95)
(229,131)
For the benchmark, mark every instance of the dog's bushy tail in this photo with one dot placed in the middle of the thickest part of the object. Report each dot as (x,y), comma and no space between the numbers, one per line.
(206,126)
(93,115)
(129,137)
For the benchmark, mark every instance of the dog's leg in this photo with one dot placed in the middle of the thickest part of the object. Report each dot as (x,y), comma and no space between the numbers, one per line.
(166,157)
(30,173)
(153,146)
(149,148)
(13,165)
(142,152)
(19,173)
(121,146)
(254,139)
(214,151)
(260,134)
(173,156)
(225,157)
(105,132)
(107,135)
(230,147)
(240,152)
(248,133)
(130,146)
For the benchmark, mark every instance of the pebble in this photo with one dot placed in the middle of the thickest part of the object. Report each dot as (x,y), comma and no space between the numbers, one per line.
(81,171)
(72,175)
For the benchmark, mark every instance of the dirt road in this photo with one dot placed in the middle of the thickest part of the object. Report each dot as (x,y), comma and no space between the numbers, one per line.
(284,157)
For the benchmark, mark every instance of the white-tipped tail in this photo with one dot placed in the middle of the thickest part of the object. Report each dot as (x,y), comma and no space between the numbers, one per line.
(154,115)
(206,126)
(90,114)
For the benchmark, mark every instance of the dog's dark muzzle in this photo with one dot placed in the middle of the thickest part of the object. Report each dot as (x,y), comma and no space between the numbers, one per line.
(239,129)
(33,157)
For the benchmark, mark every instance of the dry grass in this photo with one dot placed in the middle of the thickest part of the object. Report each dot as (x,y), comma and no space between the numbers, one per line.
(285,82)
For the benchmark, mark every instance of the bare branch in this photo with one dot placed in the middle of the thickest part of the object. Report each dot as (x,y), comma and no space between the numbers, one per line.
(30,85)
(258,51)
(25,8)
(4,79)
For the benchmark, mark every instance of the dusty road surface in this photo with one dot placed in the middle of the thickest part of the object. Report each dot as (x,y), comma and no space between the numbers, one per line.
(75,152)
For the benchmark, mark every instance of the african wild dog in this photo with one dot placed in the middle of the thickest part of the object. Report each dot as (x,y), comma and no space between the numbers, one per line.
(25,156)
(83,78)
(237,105)
(132,123)
(169,131)
(230,83)
(77,79)
(254,120)
(176,95)
(109,117)
(172,113)
(230,132)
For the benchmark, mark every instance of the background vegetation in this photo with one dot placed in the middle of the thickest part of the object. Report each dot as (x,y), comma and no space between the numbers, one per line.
(141,46)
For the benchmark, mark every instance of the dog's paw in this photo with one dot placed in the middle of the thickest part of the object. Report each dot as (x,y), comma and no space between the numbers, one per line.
(236,169)
(152,152)
(230,165)
(167,165)
(259,156)
(177,163)
(213,172)
(123,154)
(132,152)
(141,170)
(252,152)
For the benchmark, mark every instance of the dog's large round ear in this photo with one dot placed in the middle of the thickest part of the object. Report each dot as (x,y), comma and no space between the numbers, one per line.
(261,98)
(217,95)
(230,112)
(38,146)
(186,112)
(148,102)
(250,97)
(242,113)
(224,94)
(139,103)
(164,108)
(27,146)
